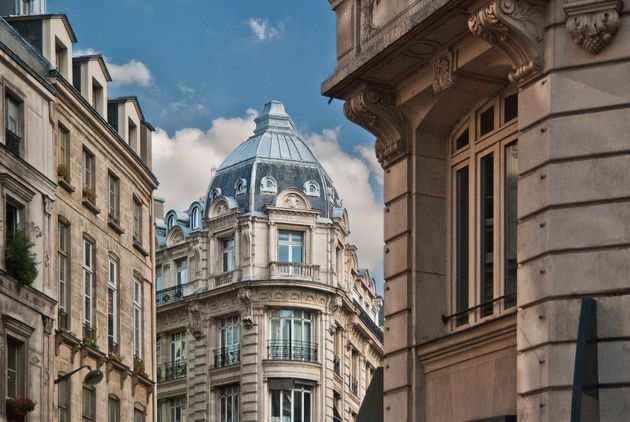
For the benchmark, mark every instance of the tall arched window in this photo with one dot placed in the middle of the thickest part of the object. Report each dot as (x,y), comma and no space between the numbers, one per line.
(196,221)
(484,175)
(170,222)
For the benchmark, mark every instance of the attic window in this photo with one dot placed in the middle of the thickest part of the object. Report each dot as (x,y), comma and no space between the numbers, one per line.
(61,58)
(97,96)
(268,185)
(311,188)
(216,192)
(170,222)
(240,187)
(196,221)
(132,135)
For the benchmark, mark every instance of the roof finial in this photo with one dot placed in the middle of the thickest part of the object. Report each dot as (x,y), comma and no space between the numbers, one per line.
(274,118)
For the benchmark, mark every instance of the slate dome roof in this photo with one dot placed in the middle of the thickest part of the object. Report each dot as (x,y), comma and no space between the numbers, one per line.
(273,159)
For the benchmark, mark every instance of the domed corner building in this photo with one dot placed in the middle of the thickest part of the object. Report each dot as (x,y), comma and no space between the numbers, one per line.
(263,313)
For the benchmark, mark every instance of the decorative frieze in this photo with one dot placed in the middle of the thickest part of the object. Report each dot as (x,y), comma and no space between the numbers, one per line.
(517,28)
(373,109)
(592,23)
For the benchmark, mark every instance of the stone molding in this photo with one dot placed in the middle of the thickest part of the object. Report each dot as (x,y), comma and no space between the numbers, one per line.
(373,109)
(593,23)
(516,27)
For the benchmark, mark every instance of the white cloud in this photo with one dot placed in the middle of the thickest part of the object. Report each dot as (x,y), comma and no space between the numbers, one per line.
(132,73)
(85,52)
(185,89)
(263,30)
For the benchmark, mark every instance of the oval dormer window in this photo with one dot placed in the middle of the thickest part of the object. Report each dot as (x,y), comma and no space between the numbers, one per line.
(311,188)
(216,192)
(268,185)
(240,188)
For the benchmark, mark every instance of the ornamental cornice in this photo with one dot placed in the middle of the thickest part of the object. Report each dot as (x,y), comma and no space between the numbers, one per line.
(374,109)
(516,27)
(593,23)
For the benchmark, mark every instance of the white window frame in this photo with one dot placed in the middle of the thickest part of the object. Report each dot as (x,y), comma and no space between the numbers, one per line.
(229,394)
(113,190)
(88,281)
(137,220)
(178,403)
(137,319)
(178,346)
(292,244)
(296,392)
(227,254)
(63,270)
(89,170)
(113,277)
(181,271)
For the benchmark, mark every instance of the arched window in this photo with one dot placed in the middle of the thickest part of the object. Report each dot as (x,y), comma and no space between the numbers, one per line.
(170,222)
(484,172)
(195,217)
(268,185)
(311,188)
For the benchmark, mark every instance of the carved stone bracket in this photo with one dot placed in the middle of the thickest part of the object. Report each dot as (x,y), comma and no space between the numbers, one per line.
(517,28)
(373,109)
(593,23)
(443,72)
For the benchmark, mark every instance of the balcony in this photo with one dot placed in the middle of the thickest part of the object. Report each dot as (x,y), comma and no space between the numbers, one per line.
(354,385)
(295,271)
(13,142)
(226,356)
(112,346)
(303,351)
(89,334)
(369,322)
(170,295)
(171,371)
(225,278)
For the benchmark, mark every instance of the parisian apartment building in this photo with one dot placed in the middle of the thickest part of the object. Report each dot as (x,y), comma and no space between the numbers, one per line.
(263,313)
(77,301)
(502,127)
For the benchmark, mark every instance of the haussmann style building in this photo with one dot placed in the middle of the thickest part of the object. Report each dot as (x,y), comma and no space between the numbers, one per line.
(502,126)
(262,311)
(76,165)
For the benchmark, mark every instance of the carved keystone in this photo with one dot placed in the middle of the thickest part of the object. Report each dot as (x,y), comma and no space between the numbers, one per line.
(593,23)
(516,27)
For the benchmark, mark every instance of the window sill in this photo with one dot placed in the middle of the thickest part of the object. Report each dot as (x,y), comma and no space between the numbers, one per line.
(66,185)
(139,248)
(113,224)
(90,206)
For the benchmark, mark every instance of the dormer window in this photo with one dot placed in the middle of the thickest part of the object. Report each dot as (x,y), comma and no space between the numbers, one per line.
(132,134)
(216,192)
(240,188)
(194,216)
(61,58)
(268,185)
(170,222)
(97,96)
(311,188)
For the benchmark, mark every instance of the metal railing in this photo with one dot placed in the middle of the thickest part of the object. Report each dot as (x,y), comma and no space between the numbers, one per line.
(294,270)
(228,355)
(13,142)
(367,320)
(171,371)
(354,385)
(304,351)
(170,295)
(89,333)
(62,320)
(336,364)
(112,346)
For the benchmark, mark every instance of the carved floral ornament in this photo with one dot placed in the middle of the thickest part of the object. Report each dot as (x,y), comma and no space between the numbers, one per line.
(516,27)
(592,24)
(374,110)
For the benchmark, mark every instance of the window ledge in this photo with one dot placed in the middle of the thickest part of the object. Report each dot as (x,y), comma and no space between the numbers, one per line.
(114,226)
(90,206)
(140,248)
(66,185)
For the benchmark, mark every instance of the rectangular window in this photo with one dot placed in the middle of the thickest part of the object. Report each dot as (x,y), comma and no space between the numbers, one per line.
(97,96)
(14,121)
(89,181)
(291,246)
(230,332)
(63,401)
(178,346)
(114,198)
(16,375)
(64,273)
(132,136)
(486,232)
(88,283)
(137,221)
(138,415)
(510,224)
(112,306)
(63,160)
(291,335)
(138,335)
(510,108)
(113,410)
(229,411)
(89,404)
(486,121)
(182,271)
(291,405)
(159,283)
(178,409)
(228,255)
(461,245)
(14,216)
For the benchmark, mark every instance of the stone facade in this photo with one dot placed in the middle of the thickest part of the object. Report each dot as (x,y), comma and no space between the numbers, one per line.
(235,319)
(86,183)
(448,87)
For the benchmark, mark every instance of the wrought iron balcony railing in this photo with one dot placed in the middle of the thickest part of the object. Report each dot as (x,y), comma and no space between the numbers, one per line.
(294,271)
(89,334)
(13,142)
(112,346)
(365,318)
(62,320)
(304,351)
(354,385)
(170,295)
(171,371)
(226,356)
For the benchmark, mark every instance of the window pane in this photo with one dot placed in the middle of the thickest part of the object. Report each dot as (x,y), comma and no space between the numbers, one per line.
(510,105)
(297,406)
(486,121)
(486,232)
(296,254)
(307,406)
(283,253)
(462,140)
(286,406)
(461,241)
(283,235)
(275,406)
(511,190)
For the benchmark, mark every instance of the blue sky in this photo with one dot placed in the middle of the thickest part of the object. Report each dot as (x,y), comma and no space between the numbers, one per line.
(198,66)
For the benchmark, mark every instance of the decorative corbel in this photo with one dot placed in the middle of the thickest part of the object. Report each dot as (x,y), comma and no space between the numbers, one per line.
(373,109)
(516,27)
(443,72)
(593,23)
